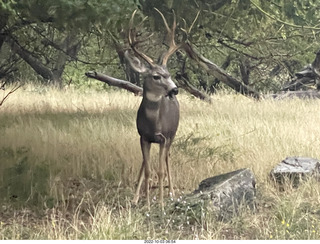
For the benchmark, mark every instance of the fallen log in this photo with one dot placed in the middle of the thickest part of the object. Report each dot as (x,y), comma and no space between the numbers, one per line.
(308,76)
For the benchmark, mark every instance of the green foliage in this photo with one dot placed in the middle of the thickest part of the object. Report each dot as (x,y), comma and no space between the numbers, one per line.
(48,33)
(198,148)
(77,15)
(272,39)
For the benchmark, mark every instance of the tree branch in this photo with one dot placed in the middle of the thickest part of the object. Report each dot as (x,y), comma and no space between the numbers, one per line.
(183,81)
(222,42)
(115,82)
(9,93)
(32,61)
(281,21)
(217,72)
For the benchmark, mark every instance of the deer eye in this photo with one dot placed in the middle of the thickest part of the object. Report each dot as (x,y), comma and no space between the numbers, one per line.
(156,77)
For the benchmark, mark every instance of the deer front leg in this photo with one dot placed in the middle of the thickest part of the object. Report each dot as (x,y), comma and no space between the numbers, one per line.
(145,148)
(169,172)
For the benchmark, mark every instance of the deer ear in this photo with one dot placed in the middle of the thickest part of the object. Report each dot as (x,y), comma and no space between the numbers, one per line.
(135,63)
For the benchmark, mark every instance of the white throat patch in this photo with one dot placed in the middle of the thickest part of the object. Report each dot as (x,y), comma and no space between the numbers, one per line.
(152,97)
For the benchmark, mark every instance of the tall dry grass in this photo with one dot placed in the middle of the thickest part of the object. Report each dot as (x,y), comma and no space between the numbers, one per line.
(70,159)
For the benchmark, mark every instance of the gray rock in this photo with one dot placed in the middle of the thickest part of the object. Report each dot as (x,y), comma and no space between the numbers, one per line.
(309,94)
(221,196)
(294,169)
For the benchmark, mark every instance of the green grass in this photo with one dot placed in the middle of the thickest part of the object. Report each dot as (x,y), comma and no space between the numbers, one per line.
(69,162)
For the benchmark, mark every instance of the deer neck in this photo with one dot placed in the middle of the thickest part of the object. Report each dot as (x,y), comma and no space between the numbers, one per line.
(152,97)
(151,103)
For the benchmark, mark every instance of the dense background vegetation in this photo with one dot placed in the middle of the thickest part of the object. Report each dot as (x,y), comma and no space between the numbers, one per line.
(261,43)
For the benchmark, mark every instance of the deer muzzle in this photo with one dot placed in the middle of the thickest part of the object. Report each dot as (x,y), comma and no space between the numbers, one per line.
(173,91)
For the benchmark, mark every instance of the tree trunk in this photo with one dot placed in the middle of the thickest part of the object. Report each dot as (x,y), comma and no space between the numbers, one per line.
(69,48)
(216,82)
(245,71)
(3,22)
(32,61)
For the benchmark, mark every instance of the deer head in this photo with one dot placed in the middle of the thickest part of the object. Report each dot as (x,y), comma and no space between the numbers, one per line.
(157,79)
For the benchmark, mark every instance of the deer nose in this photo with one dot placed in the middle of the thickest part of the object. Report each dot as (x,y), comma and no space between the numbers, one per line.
(173,91)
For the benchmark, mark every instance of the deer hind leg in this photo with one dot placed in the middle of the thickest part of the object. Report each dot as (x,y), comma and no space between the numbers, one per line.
(169,171)
(145,148)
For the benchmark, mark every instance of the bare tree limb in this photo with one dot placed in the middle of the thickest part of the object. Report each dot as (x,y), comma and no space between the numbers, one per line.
(16,87)
(183,81)
(217,72)
(39,67)
(115,82)
(281,21)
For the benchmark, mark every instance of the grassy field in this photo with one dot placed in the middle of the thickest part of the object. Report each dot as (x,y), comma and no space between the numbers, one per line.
(69,162)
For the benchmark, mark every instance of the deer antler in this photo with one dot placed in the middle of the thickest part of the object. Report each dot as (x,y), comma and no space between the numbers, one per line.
(133,42)
(173,47)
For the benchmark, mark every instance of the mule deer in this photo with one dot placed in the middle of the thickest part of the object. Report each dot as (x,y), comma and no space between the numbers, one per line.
(158,114)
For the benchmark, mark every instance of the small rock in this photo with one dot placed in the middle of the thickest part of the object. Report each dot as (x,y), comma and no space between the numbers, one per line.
(295,169)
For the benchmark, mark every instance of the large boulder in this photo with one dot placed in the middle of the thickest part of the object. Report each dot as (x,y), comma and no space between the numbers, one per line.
(221,196)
